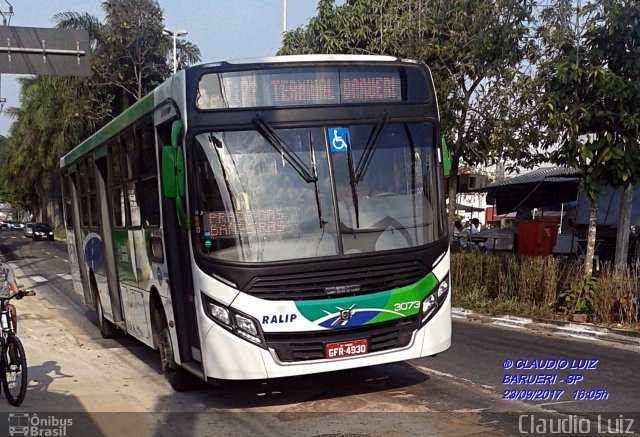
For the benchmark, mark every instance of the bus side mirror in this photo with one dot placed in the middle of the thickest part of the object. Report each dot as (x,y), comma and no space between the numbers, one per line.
(168,172)
(172,172)
(446,162)
(176,127)
(173,165)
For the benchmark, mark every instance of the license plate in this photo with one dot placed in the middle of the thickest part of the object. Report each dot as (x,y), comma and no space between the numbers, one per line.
(346,349)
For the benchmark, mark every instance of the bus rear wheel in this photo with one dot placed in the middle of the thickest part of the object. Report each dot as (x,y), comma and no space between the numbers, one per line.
(179,379)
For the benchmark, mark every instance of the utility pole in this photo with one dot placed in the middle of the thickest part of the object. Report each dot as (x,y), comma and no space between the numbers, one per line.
(6,20)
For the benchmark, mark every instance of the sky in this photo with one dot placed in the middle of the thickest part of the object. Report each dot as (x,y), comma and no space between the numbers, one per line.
(222,29)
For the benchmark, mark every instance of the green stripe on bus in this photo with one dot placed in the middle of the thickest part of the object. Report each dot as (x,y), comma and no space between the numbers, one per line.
(393,304)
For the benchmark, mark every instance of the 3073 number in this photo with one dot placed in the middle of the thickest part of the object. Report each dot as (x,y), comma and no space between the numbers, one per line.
(405,306)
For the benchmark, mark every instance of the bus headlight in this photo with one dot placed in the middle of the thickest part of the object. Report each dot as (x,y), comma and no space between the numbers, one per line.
(220,313)
(434,301)
(246,324)
(240,324)
(443,290)
(429,307)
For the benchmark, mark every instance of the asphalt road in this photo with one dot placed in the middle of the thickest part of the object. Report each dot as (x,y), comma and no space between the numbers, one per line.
(460,392)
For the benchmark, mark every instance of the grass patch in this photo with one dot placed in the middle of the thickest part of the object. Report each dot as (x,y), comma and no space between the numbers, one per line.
(59,233)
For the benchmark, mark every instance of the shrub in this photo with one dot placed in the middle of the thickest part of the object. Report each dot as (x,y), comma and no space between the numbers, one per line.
(503,281)
(580,296)
(59,233)
(544,287)
(618,298)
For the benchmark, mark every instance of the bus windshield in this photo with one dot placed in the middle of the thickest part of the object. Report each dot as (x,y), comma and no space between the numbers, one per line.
(279,194)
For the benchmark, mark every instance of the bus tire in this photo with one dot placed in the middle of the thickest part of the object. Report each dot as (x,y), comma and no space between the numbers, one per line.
(107,329)
(179,379)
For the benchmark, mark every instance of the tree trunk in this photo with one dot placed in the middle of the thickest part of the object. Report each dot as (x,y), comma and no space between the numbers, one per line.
(591,238)
(624,225)
(637,257)
(453,190)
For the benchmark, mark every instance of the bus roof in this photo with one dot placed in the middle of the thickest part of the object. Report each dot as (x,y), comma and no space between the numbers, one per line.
(307,58)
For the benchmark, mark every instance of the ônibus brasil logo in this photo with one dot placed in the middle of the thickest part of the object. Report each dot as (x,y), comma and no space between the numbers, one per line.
(28,424)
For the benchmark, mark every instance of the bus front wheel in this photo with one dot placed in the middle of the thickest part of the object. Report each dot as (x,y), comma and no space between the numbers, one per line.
(179,379)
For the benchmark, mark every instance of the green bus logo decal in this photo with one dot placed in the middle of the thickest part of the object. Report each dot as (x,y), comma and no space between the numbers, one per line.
(348,312)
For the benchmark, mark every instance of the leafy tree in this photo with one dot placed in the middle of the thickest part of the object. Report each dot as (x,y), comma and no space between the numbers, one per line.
(477,50)
(130,53)
(591,99)
(616,36)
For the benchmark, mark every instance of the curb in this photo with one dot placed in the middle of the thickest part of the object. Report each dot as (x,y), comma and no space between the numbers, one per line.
(560,327)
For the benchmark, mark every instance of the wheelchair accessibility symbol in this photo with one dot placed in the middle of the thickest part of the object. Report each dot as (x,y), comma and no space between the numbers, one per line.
(339,139)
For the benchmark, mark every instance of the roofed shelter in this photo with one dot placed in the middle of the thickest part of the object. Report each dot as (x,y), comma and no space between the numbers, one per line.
(538,188)
(559,186)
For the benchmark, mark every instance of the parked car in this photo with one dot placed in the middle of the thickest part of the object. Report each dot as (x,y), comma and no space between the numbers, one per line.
(15,225)
(28,229)
(4,225)
(42,231)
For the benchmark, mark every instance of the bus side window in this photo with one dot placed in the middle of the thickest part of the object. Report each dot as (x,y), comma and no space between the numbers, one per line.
(147,183)
(147,194)
(68,207)
(134,208)
(118,206)
(94,212)
(82,187)
(131,172)
(146,146)
(209,196)
(131,158)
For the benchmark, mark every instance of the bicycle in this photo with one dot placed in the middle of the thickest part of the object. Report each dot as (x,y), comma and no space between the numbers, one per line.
(13,361)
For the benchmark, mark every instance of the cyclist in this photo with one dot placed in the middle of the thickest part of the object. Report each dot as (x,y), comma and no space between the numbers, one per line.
(8,286)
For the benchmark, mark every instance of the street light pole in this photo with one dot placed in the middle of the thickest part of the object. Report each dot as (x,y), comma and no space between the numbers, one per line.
(284,16)
(174,35)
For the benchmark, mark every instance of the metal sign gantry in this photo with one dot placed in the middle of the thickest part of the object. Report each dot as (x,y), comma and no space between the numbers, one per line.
(42,51)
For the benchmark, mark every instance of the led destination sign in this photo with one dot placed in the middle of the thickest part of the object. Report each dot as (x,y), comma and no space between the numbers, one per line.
(379,88)
(300,86)
(270,221)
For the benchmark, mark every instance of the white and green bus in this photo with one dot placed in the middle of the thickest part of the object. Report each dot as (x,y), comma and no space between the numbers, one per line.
(269,217)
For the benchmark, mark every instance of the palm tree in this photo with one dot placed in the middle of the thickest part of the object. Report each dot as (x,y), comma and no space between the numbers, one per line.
(47,126)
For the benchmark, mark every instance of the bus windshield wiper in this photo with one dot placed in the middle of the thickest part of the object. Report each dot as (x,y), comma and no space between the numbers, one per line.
(354,189)
(281,146)
(314,168)
(365,159)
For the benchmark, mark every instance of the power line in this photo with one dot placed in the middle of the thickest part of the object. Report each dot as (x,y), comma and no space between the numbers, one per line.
(6,15)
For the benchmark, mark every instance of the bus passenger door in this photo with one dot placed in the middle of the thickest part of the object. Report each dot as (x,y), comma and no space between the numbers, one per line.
(139,238)
(179,265)
(107,239)
(77,238)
